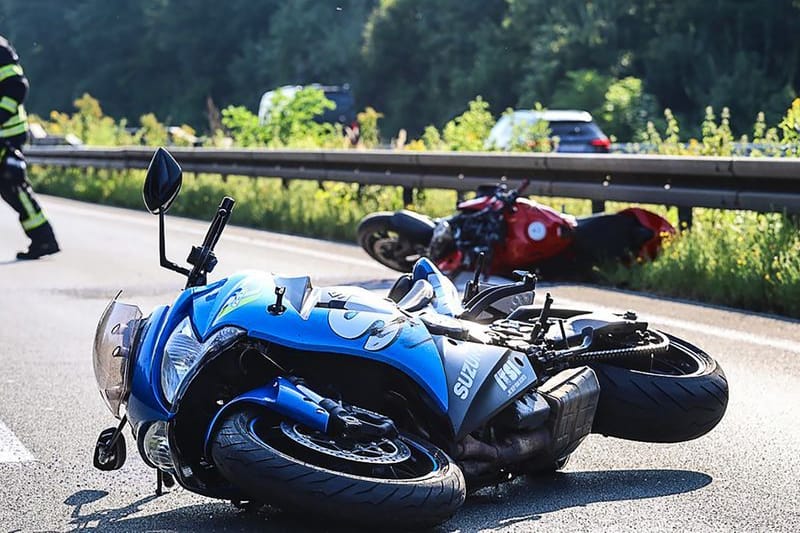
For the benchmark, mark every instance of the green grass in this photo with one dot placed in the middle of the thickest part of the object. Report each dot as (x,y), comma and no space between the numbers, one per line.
(737,258)
(327,210)
(741,259)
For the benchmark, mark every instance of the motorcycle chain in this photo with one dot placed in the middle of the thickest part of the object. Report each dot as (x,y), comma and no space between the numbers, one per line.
(633,351)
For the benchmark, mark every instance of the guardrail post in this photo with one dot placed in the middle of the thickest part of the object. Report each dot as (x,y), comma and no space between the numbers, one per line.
(598,206)
(408,195)
(685,217)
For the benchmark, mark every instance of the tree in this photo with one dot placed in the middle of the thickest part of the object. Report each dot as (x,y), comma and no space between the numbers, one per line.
(423,60)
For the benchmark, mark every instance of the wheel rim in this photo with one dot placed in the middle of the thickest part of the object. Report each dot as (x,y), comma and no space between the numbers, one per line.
(379,451)
(678,361)
(419,462)
(388,248)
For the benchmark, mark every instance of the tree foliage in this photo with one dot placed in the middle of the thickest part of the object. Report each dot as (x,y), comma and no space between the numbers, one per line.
(290,122)
(416,61)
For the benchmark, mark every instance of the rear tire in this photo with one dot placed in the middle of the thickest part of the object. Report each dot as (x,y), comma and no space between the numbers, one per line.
(252,455)
(681,397)
(386,245)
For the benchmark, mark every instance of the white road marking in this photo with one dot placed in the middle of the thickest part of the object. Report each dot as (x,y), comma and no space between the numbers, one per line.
(284,247)
(697,327)
(11,449)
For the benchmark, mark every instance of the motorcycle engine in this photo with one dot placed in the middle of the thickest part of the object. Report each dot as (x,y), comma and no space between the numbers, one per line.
(442,242)
(478,232)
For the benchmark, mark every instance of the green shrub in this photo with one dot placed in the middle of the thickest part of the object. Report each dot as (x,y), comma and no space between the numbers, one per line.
(737,258)
(468,131)
(627,109)
(370,135)
(534,137)
(290,122)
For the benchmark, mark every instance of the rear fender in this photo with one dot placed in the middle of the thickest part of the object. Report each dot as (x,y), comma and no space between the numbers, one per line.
(282,397)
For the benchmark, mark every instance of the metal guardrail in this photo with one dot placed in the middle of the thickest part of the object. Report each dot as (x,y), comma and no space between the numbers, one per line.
(758,184)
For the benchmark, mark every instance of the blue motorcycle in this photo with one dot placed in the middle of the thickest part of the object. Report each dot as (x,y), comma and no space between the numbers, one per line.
(385,411)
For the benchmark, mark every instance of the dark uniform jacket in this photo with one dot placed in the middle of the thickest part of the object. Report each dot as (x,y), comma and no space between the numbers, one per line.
(13,90)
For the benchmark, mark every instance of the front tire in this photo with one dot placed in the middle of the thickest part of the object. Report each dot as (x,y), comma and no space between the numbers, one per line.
(255,454)
(378,237)
(682,395)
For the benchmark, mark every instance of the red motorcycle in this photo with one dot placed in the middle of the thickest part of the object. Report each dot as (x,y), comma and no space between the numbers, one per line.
(513,233)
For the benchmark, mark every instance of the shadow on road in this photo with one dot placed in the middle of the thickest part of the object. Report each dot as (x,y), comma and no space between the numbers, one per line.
(528,499)
(216,517)
(524,500)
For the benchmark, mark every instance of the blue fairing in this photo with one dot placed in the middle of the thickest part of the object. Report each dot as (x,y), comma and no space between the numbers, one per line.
(343,320)
(145,402)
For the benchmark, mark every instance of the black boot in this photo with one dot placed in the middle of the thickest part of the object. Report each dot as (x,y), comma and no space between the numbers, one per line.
(43,242)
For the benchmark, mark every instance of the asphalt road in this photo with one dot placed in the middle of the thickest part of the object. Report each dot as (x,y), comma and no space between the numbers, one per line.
(742,476)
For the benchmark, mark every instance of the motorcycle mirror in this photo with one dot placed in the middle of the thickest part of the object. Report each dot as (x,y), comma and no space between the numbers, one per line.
(162,182)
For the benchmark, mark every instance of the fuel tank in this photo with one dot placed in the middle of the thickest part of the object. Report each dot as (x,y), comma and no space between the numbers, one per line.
(339,319)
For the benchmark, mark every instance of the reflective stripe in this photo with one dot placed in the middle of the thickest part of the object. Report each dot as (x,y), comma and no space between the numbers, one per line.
(13,130)
(9,104)
(35,218)
(34,222)
(9,71)
(12,121)
(26,204)
(17,117)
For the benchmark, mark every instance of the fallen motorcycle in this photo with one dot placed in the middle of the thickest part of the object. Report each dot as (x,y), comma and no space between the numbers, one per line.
(513,232)
(336,401)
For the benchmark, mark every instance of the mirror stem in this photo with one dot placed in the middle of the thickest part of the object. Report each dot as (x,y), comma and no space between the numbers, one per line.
(162,247)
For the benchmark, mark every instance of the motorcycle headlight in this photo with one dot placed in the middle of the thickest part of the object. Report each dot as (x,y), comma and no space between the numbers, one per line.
(184,351)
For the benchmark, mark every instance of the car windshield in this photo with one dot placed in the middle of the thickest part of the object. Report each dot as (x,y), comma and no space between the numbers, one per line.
(112,344)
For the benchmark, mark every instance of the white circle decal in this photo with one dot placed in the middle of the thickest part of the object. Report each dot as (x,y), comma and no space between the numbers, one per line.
(537,231)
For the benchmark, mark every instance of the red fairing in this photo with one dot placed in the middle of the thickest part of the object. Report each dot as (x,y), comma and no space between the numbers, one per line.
(535,232)
(657,224)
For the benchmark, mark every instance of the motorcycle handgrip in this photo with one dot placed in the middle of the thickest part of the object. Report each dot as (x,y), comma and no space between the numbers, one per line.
(220,220)
(523,186)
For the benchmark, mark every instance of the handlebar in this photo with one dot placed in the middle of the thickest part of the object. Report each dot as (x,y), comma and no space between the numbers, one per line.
(202,258)
(218,224)
(510,197)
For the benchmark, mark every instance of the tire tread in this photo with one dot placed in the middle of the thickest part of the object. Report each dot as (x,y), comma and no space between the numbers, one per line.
(265,475)
(652,407)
